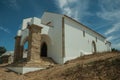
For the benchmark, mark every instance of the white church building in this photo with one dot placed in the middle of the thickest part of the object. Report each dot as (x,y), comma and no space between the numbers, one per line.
(62,38)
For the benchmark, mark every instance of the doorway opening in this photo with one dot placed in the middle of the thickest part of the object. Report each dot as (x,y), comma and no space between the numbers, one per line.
(93,47)
(25,51)
(43,50)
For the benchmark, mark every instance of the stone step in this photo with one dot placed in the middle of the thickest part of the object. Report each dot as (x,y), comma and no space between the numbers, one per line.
(43,62)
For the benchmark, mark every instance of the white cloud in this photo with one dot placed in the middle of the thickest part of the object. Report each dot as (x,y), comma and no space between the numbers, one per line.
(62,3)
(74,8)
(115,28)
(11,4)
(110,38)
(4,29)
(110,9)
(114,38)
(109,15)
(14,4)
(68,11)
(117,46)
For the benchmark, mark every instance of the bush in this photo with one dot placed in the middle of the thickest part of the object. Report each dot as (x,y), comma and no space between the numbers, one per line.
(114,50)
(2,50)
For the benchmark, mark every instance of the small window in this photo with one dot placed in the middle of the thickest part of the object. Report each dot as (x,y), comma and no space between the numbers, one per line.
(96,39)
(83,33)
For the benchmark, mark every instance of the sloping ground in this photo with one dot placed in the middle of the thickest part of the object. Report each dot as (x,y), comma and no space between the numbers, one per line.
(105,66)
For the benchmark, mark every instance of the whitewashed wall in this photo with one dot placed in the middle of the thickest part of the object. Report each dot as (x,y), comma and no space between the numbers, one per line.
(52,35)
(76,44)
(25,23)
(55,34)
(24,35)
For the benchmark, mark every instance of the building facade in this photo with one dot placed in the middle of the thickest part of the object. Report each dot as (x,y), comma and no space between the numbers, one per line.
(58,37)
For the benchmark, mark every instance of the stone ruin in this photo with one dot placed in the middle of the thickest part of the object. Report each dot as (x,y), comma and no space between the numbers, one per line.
(33,61)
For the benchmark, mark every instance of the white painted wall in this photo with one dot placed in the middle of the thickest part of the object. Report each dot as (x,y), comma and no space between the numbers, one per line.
(52,35)
(76,44)
(24,35)
(36,21)
(55,34)
(23,70)
(25,23)
(108,44)
(19,32)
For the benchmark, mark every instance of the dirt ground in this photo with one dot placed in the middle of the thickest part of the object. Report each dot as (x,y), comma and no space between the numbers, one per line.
(105,66)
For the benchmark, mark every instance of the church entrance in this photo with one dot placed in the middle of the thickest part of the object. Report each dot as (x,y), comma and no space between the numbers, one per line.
(43,50)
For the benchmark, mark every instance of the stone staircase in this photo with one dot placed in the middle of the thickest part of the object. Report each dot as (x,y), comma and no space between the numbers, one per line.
(44,62)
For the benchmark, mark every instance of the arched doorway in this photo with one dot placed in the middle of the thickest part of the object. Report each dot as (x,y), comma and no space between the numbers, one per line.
(25,50)
(43,50)
(93,47)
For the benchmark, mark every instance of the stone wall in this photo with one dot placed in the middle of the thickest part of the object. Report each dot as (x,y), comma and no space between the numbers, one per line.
(34,41)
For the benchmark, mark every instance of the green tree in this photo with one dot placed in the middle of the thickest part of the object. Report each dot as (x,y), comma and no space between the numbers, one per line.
(2,50)
(115,50)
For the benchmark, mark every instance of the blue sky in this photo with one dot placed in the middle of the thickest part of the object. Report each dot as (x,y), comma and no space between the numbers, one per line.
(102,16)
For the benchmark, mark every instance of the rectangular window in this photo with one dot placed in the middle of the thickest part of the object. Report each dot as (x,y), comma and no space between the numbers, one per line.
(83,33)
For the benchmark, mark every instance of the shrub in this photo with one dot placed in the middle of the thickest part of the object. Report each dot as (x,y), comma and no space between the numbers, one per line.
(2,50)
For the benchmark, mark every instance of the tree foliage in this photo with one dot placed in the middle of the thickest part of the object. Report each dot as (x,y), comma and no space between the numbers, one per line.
(2,50)
(115,50)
